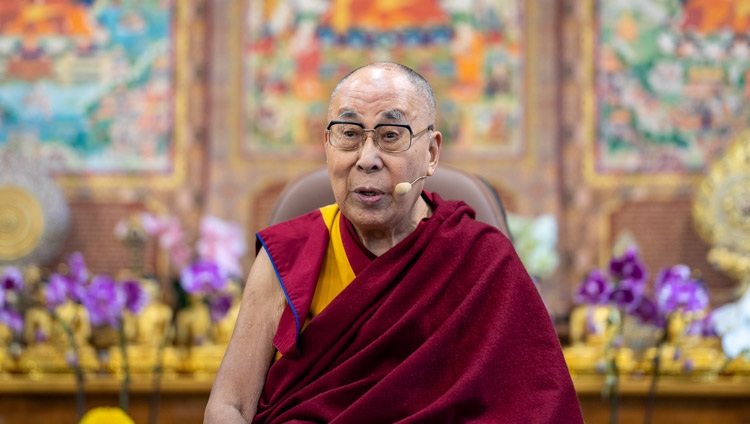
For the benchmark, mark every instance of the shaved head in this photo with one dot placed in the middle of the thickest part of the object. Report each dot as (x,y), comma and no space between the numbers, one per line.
(420,84)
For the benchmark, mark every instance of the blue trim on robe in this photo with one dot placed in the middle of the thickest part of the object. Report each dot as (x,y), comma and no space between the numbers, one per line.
(286,294)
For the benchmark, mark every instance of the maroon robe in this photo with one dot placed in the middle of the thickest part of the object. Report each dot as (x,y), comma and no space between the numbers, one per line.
(445,327)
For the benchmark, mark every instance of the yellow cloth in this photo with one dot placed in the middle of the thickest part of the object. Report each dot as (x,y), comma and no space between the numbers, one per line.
(336,272)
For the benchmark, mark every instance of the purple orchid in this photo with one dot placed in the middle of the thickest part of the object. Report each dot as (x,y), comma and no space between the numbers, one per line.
(104,300)
(72,285)
(219,307)
(628,293)
(595,290)
(625,287)
(12,319)
(203,277)
(676,290)
(56,291)
(11,284)
(623,298)
(11,279)
(676,273)
(40,335)
(646,311)
(135,297)
(703,327)
(628,267)
(77,270)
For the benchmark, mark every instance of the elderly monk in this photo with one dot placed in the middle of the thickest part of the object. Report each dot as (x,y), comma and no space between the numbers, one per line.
(392,305)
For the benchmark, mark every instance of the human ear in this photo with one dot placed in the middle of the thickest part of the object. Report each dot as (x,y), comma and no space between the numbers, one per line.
(436,140)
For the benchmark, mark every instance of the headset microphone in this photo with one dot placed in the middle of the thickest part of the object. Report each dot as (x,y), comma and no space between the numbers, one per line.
(403,188)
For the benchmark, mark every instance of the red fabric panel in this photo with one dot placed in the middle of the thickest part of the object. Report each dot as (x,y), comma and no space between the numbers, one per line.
(296,248)
(446,327)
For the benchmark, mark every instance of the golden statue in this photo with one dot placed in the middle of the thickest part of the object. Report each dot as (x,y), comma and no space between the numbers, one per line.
(150,334)
(205,341)
(153,323)
(48,343)
(595,338)
(721,214)
(721,211)
(684,353)
(193,326)
(6,337)
(222,330)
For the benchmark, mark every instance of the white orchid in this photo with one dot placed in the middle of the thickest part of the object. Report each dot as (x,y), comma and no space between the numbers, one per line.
(732,323)
(535,241)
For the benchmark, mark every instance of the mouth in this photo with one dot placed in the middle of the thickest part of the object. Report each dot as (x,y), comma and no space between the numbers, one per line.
(369,194)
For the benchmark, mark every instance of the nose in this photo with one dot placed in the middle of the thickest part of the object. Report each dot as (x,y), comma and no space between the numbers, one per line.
(369,159)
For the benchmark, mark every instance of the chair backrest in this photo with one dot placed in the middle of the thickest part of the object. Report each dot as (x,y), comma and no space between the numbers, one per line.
(312,190)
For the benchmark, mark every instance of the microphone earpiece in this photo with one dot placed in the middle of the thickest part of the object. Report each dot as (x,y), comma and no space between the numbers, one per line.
(403,188)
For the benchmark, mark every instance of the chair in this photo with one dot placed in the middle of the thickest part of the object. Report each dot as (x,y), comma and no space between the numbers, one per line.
(312,190)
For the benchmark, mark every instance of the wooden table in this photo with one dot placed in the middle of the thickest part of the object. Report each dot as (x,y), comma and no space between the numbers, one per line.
(679,400)
(52,399)
(182,399)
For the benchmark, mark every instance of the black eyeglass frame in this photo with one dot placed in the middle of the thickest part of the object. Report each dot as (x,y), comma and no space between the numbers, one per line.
(412,136)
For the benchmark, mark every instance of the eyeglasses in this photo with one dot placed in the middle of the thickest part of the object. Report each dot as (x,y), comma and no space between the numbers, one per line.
(391,138)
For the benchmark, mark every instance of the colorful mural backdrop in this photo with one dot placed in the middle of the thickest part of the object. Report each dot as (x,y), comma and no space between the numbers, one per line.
(295,52)
(88,83)
(672,83)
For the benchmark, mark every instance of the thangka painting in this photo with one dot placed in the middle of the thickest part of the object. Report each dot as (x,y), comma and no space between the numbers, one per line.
(671,83)
(296,51)
(87,84)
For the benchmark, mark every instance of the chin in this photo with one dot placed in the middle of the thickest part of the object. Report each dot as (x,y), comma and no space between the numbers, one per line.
(366,218)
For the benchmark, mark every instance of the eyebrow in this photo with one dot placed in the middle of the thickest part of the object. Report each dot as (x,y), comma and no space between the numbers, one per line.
(348,113)
(391,115)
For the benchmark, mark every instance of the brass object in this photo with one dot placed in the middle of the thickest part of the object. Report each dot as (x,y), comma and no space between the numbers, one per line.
(596,339)
(34,215)
(21,222)
(683,353)
(721,210)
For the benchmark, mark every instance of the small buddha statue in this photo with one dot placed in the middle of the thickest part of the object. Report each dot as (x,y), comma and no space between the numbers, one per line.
(193,326)
(6,337)
(41,354)
(222,330)
(151,333)
(154,322)
(684,353)
(193,323)
(76,318)
(592,328)
(38,326)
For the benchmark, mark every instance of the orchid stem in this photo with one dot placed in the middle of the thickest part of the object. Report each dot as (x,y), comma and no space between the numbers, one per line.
(613,378)
(158,371)
(80,381)
(125,388)
(655,371)
(724,366)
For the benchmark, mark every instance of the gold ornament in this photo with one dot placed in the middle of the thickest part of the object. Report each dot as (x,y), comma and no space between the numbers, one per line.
(34,215)
(721,210)
(21,222)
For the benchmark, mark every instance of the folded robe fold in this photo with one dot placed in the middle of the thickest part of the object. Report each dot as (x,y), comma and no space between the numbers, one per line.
(445,327)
